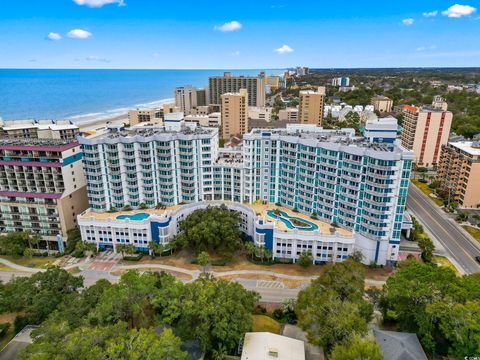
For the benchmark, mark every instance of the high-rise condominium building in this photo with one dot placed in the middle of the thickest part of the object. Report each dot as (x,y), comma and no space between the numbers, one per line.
(143,115)
(382,103)
(425,130)
(234,110)
(341,81)
(358,186)
(41,129)
(459,172)
(42,187)
(311,106)
(188,98)
(219,85)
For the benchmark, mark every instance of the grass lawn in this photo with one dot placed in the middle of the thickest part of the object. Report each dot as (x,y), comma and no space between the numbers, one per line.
(34,262)
(472,231)
(262,323)
(443,261)
(427,191)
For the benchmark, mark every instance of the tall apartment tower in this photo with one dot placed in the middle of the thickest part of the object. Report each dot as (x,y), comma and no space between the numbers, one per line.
(459,172)
(425,130)
(188,98)
(42,129)
(219,85)
(42,187)
(311,106)
(234,109)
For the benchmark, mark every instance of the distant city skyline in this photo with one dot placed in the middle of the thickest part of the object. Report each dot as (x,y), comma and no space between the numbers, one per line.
(143,34)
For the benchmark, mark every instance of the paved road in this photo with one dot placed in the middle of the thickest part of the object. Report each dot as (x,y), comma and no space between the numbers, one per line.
(460,246)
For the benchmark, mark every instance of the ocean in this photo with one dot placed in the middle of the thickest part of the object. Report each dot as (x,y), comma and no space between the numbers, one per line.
(84,95)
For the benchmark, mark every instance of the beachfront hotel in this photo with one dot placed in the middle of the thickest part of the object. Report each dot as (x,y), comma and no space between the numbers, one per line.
(298,189)
(228,83)
(42,187)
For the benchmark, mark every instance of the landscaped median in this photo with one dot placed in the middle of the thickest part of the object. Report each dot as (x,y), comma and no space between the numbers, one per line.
(473,231)
(427,191)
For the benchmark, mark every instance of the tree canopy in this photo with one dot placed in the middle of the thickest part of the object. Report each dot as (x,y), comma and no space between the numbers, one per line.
(214,229)
(440,307)
(332,309)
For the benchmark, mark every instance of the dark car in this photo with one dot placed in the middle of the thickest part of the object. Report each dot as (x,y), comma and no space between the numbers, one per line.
(477,258)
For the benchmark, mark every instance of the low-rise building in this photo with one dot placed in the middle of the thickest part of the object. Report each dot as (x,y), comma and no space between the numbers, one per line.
(210,120)
(396,345)
(260,113)
(144,115)
(38,129)
(266,346)
(459,172)
(288,114)
(382,103)
(381,130)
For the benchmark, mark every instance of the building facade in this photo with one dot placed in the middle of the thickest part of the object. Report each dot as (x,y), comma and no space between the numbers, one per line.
(425,130)
(311,106)
(288,114)
(41,129)
(228,83)
(42,187)
(330,175)
(188,98)
(382,104)
(459,172)
(144,115)
(341,81)
(234,110)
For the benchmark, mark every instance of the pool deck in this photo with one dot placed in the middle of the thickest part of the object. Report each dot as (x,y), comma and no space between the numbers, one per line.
(323,227)
(259,209)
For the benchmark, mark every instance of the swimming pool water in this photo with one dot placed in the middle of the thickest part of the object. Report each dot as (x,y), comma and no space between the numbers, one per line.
(136,217)
(286,219)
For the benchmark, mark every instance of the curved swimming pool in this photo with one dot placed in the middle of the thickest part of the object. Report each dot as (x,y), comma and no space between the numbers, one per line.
(292,222)
(135,217)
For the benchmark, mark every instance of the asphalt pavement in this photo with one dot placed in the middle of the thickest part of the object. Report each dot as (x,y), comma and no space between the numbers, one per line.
(456,241)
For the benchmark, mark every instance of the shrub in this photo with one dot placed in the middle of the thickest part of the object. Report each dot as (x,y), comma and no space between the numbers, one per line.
(78,254)
(19,323)
(4,329)
(134,257)
(219,262)
(259,310)
(278,314)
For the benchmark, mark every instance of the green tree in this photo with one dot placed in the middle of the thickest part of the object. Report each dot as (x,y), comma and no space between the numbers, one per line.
(106,342)
(305,259)
(339,320)
(203,259)
(128,301)
(408,294)
(156,249)
(336,301)
(357,348)
(250,248)
(215,312)
(426,246)
(212,229)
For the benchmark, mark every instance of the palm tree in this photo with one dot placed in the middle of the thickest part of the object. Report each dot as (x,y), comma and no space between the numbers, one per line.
(35,240)
(250,247)
(122,249)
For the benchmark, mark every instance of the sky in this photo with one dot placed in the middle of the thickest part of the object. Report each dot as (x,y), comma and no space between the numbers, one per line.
(158,34)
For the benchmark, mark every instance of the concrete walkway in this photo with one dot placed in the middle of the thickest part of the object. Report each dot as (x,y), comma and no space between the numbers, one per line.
(17,267)
(196,273)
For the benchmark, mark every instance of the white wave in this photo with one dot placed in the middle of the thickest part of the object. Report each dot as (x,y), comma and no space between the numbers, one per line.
(114,113)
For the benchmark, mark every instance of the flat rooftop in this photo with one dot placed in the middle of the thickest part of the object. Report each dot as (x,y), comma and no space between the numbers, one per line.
(261,210)
(36,142)
(265,346)
(147,131)
(468,147)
